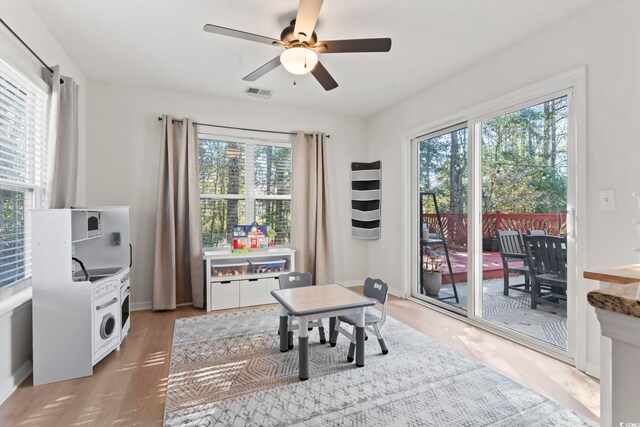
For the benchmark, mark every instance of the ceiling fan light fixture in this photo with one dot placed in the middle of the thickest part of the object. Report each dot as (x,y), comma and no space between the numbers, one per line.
(299,60)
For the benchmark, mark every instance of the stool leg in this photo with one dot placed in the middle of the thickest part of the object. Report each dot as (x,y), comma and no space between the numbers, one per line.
(322,338)
(334,334)
(383,346)
(290,339)
(352,350)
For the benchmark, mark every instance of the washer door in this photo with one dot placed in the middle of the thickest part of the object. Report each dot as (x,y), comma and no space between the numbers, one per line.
(107,326)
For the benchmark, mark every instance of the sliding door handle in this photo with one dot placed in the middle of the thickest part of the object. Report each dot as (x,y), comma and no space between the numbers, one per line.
(571,222)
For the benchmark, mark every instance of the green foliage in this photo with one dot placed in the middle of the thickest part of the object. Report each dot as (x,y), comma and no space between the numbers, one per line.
(223,170)
(524,162)
(12,250)
(524,168)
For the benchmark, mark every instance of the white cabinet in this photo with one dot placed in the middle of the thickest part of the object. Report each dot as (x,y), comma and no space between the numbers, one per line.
(257,291)
(271,285)
(244,290)
(225,295)
(252,292)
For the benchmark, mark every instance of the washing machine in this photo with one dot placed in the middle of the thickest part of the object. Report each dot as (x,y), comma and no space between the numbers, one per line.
(106,326)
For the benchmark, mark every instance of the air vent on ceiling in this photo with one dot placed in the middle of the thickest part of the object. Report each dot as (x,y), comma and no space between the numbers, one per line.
(257,92)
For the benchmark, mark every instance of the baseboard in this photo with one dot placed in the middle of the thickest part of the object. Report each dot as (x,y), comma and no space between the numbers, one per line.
(396,292)
(139,306)
(351,283)
(359,282)
(12,383)
(592,370)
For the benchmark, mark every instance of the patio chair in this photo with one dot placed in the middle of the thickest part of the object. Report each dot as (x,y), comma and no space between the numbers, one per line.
(547,260)
(378,290)
(298,280)
(536,232)
(512,250)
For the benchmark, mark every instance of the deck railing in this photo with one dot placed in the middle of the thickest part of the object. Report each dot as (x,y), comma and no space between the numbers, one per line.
(455,225)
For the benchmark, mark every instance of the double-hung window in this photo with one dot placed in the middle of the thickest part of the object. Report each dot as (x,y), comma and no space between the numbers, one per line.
(23,160)
(242,180)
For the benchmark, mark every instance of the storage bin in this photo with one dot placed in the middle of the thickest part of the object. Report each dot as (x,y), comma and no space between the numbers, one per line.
(269,266)
(229,268)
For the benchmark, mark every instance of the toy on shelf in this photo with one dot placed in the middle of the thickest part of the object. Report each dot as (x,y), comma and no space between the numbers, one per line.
(271,234)
(250,238)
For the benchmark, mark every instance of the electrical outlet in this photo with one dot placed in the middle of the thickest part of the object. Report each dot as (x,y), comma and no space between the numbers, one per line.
(607,200)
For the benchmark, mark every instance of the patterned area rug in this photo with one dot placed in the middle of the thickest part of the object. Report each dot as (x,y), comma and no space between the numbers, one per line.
(227,369)
(547,323)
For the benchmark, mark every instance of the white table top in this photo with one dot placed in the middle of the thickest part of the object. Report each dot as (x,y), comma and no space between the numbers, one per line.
(319,299)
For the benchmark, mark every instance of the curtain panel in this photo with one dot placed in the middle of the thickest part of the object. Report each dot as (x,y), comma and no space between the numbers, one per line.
(62,159)
(310,210)
(178,271)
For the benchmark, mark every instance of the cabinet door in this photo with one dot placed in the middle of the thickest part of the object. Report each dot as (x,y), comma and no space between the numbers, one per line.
(272,284)
(225,295)
(252,292)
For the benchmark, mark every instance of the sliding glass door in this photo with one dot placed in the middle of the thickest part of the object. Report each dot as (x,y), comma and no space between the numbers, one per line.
(442,218)
(493,227)
(523,188)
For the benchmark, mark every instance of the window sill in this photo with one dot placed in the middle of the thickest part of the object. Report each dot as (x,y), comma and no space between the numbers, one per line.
(14,297)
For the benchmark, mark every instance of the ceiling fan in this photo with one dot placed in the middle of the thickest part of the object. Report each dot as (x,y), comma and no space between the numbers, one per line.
(302,46)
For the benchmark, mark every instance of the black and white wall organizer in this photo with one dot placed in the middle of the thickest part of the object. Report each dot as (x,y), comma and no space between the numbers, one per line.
(365,200)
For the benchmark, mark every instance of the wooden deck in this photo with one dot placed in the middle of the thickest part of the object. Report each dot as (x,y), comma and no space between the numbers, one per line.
(491,265)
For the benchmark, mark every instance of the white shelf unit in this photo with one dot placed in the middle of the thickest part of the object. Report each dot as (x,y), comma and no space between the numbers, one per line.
(247,289)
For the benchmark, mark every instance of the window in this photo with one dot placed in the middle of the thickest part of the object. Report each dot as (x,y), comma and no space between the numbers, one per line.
(23,159)
(243,181)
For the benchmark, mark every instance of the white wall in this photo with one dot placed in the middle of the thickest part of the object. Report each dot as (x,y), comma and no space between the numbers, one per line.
(605,38)
(124,150)
(15,303)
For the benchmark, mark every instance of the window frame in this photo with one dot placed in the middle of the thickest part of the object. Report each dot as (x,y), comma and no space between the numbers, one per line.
(35,187)
(250,139)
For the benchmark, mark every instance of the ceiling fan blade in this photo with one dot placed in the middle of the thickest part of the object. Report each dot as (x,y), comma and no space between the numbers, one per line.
(323,77)
(354,45)
(308,11)
(215,29)
(271,65)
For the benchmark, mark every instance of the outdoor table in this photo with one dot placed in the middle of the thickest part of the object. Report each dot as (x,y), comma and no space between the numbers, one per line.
(318,302)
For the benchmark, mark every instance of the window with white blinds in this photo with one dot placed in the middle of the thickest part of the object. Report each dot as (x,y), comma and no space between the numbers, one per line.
(243,181)
(23,161)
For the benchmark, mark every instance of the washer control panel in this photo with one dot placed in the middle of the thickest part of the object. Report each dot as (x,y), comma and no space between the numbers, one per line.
(101,289)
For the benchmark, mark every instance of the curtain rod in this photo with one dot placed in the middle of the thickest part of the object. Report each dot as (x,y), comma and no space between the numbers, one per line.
(236,128)
(44,64)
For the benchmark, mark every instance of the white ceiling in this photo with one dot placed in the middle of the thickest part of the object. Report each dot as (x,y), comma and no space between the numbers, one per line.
(161,43)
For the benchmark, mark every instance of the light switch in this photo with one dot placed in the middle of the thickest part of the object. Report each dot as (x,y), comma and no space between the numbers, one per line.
(607,200)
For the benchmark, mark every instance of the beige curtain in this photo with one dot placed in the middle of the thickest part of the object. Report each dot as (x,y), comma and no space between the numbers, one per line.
(310,222)
(178,248)
(62,169)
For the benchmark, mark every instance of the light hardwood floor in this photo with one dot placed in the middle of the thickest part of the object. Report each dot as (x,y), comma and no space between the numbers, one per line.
(128,387)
